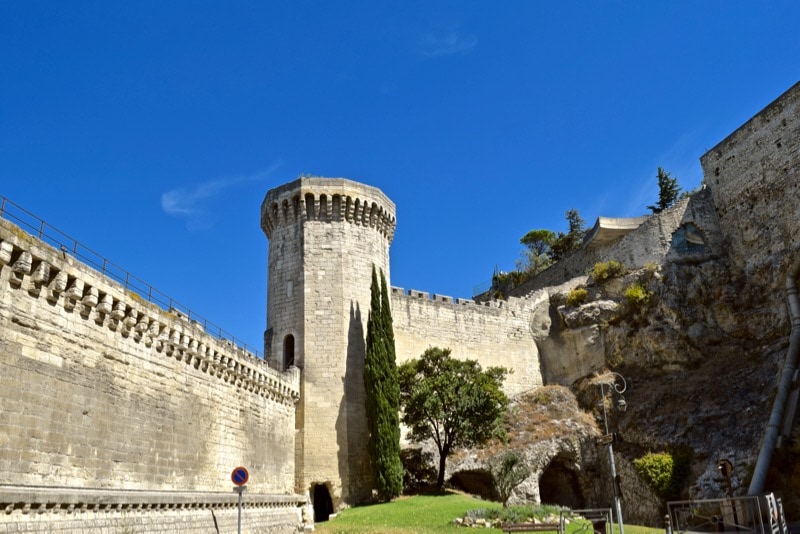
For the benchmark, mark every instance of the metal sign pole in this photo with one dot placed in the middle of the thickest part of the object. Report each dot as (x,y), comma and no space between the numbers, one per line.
(240,490)
(240,476)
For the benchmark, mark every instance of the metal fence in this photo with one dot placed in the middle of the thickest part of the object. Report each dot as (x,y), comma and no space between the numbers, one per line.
(762,514)
(61,241)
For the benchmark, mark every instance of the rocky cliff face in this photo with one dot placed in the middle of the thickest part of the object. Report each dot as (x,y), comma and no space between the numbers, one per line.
(701,352)
(699,328)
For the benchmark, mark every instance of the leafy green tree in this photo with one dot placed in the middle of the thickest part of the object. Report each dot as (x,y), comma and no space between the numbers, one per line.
(539,241)
(669,191)
(382,394)
(566,244)
(508,471)
(454,402)
(536,256)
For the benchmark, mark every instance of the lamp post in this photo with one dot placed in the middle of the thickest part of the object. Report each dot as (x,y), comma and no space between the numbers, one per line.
(616,383)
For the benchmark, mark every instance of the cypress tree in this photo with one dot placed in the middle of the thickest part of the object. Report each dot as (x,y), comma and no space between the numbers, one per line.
(391,387)
(382,395)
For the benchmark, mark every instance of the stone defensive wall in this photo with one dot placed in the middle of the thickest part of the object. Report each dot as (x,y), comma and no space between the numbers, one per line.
(754,176)
(117,413)
(495,333)
(690,229)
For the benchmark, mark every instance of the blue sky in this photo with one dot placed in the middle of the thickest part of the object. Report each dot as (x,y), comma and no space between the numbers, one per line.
(150,131)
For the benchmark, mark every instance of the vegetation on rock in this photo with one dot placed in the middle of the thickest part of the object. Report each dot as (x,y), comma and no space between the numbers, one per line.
(508,471)
(664,472)
(577,296)
(607,270)
(637,296)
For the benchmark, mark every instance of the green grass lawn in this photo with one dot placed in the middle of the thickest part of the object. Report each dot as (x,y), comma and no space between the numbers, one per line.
(423,514)
(406,515)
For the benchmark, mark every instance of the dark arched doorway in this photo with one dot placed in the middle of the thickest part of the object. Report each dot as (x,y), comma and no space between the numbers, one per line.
(323,505)
(559,485)
(288,351)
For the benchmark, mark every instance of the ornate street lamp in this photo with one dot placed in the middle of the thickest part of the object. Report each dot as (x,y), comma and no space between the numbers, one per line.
(616,384)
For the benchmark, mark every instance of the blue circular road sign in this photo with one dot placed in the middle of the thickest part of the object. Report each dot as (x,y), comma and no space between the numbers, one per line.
(239,476)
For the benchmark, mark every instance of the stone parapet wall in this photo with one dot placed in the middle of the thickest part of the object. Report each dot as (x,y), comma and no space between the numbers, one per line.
(754,176)
(652,242)
(102,389)
(496,333)
(75,510)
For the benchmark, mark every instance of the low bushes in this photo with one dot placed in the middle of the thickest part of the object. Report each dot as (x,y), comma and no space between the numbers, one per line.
(577,296)
(607,270)
(637,296)
(664,472)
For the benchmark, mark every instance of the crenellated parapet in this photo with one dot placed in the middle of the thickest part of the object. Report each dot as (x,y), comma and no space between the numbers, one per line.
(328,200)
(59,279)
(512,303)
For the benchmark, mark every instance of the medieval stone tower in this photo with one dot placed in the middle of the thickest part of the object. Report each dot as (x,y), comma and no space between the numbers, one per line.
(325,235)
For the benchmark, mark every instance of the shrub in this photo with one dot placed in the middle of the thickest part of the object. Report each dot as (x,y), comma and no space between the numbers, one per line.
(664,472)
(517,514)
(508,471)
(656,470)
(615,359)
(607,270)
(637,296)
(577,296)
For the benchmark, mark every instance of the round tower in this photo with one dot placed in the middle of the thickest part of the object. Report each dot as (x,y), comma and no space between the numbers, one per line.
(325,234)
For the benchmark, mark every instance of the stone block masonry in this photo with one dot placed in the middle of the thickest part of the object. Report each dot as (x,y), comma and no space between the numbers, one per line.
(325,236)
(497,333)
(754,176)
(81,511)
(100,389)
(652,242)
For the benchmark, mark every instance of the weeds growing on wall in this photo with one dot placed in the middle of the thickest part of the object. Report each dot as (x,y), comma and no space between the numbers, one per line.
(615,359)
(607,270)
(637,296)
(577,296)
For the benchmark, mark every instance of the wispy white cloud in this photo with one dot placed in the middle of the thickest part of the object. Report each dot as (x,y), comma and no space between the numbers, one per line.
(191,203)
(446,43)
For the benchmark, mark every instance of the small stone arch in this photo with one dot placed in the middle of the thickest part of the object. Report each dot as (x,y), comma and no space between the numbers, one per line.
(288,351)
(321,499)
(559,484)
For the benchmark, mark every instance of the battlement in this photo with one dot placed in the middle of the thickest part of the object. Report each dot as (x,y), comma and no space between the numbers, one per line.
(57,278)
(328,200)
(423,296)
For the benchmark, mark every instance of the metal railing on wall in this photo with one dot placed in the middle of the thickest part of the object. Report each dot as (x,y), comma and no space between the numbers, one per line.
(61,241)
(755,514)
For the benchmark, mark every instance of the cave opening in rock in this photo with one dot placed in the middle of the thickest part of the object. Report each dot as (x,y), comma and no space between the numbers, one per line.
(559,485)
(475,482)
